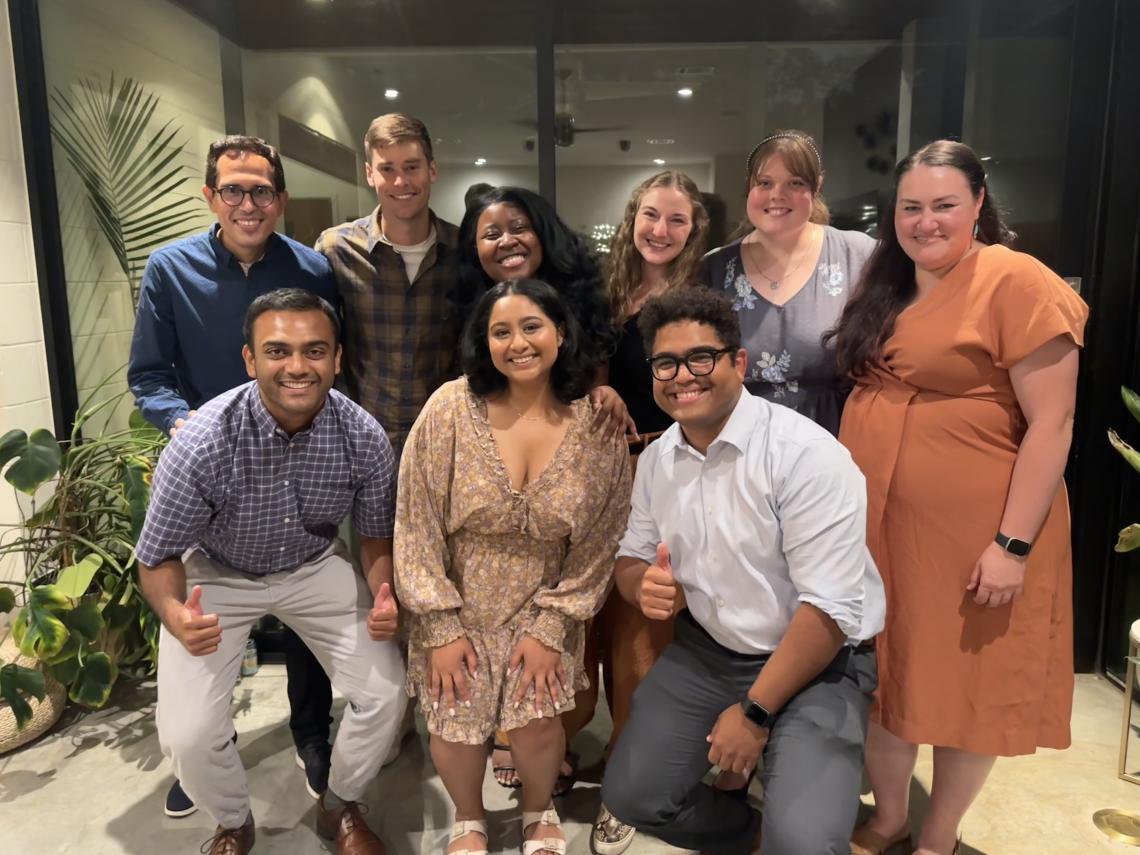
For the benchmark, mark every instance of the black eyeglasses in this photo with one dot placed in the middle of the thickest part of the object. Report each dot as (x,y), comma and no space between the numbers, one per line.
(233,195)
(699,362)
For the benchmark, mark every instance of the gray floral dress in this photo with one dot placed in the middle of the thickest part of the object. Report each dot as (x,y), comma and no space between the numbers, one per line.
(786,362)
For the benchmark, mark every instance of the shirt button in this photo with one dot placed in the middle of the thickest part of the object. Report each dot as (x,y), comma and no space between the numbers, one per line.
(286,519)
(282,548)
(720,602)
(286,483)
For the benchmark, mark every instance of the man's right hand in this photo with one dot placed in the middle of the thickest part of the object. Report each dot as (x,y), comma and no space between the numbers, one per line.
(178,423)
(447,673)
(198,633)
(658,595)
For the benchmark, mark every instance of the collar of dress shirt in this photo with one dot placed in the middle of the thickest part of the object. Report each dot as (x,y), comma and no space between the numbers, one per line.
(373,234)
(269,426)
(737,431)
(227,258)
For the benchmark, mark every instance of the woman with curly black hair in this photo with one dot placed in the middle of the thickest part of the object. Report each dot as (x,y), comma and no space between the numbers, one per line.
(508,516)
(513,233)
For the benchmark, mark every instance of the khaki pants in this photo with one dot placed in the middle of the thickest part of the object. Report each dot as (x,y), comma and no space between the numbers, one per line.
(326,603)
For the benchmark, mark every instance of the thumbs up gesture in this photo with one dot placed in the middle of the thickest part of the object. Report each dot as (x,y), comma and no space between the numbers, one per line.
(658,594)
(384,616)
(199,633)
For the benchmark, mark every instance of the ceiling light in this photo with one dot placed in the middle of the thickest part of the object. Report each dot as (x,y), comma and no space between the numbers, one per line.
(659,161)
(685,92)
(987,157)
(480,161)
(391,94)
(661,141)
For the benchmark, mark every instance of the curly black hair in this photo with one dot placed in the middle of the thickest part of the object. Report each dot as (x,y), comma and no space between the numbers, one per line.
(567,264)
(690,304)
(572,374)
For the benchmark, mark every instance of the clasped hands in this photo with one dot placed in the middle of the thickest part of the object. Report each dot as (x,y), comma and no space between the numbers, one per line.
(454,666)
(201,633)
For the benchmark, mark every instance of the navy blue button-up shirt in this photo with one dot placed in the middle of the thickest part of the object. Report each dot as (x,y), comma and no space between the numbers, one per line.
(235,485)
(187,342)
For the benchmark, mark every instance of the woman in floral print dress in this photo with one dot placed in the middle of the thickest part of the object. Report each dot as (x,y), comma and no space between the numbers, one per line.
(790,278)
(508,514)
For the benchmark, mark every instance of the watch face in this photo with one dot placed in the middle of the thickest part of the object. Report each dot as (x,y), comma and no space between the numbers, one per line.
(1017,547)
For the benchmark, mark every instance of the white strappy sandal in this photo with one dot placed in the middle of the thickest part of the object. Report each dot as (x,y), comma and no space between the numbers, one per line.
(468,826)
(543,844)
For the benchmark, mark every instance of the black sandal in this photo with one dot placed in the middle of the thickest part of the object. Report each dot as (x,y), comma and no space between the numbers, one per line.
(497,768)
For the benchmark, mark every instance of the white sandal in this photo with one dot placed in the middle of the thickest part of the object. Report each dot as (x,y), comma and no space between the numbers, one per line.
(467,826)
(545,844)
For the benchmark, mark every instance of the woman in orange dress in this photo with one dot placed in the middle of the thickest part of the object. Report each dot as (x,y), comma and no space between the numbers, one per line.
(965,358)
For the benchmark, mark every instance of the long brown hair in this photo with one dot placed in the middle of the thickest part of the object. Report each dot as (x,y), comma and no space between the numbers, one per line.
(623,269)
(886,285)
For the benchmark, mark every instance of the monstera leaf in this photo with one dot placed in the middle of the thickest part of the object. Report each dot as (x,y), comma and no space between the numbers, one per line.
(17,681)
(92,685)
(39,631)
(37,459)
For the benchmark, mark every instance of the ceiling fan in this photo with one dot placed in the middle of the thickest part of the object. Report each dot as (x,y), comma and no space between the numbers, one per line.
(565,128)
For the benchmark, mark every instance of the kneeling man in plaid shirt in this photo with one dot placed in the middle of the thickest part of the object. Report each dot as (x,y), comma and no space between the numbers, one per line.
(242,522)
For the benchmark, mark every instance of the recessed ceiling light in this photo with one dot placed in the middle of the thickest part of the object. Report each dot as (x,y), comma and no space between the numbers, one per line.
(480,161)
(391,94)
(987,157)
(661,141)
(685,92)
(659,161)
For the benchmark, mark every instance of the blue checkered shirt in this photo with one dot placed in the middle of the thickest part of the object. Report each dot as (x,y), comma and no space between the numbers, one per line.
(235,485)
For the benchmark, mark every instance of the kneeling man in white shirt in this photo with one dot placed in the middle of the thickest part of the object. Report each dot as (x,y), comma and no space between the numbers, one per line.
(748,523)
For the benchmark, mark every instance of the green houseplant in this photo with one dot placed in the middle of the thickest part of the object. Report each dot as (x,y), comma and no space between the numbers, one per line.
(130,169)
(1129,537)
(82,616)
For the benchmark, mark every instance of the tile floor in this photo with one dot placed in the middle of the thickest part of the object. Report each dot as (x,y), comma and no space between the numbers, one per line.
(95,785)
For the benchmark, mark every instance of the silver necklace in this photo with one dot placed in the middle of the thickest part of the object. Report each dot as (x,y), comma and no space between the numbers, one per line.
(774,284)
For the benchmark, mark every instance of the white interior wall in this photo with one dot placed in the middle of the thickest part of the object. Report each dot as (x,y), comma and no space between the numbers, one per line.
(25,401)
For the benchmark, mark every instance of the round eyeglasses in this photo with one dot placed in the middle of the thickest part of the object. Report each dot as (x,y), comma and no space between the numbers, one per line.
(233,195)
(699,362)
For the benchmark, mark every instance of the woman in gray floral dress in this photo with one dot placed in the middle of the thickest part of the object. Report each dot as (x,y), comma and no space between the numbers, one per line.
(790,278)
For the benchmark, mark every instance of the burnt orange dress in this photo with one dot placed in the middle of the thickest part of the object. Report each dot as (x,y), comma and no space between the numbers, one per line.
(935,427)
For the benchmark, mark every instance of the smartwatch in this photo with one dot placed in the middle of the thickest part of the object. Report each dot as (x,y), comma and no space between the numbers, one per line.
(756,713)
(1012,545)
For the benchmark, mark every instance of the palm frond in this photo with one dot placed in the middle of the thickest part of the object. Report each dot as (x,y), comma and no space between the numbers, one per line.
(130,167)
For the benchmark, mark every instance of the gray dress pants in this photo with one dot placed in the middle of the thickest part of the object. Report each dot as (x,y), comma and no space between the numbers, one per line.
(811,769)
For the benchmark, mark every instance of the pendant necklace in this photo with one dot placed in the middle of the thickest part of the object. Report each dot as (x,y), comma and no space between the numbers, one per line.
(774,284)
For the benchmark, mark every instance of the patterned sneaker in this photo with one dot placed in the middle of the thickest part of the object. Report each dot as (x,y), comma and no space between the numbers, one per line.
(610,836)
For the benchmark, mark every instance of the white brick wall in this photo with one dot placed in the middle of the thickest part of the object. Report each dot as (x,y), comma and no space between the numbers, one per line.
(24,390)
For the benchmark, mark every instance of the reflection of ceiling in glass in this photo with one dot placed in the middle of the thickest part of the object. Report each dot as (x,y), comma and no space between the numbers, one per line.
(610,101)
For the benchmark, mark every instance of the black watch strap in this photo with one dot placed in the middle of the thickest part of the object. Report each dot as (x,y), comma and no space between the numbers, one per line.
(1012,545)
(756,713)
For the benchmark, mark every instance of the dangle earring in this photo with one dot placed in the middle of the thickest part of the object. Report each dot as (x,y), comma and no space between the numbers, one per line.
(976,228)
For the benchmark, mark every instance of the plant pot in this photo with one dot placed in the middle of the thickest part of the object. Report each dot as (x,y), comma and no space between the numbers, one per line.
(45,713)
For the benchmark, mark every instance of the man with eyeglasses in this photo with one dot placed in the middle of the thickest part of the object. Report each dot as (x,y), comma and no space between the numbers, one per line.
(748,523)
(187,349)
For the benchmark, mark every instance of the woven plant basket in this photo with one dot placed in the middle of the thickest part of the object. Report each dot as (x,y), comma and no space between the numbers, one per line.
(45,713)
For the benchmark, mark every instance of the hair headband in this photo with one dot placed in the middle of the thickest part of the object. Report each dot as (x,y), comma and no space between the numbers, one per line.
(804,139)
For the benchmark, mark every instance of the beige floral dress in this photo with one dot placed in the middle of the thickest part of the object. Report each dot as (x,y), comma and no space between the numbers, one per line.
(475,557)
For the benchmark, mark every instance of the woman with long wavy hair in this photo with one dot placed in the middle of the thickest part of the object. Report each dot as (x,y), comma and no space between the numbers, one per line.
(964,354)
(657,248)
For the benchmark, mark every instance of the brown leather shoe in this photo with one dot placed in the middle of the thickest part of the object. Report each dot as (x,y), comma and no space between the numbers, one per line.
(231,841)
(346,827)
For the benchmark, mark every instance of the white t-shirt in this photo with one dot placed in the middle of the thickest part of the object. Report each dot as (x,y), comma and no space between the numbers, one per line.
(413,255)
(774,515)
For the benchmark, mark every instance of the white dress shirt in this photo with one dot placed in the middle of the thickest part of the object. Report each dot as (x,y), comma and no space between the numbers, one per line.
(774,515)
